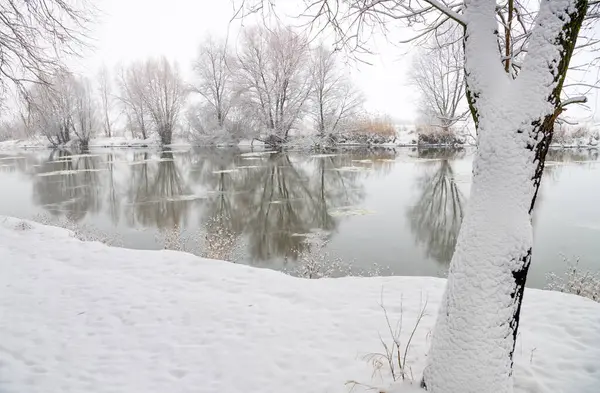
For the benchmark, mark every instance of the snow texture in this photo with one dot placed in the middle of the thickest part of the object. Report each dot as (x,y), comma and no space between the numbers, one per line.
(84,317)
(473,338)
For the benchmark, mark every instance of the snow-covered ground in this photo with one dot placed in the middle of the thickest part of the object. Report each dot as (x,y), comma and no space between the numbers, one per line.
(100,142)
(41,143)
(113,142)
(23,144)
(123,142)
(84,317)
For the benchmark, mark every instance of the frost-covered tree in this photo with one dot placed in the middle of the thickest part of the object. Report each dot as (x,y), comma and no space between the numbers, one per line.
(273,78)
(37,35)
(163,94)
(64,108)
(516,61)
(131,84)
(152,93)
(85,113)
(437,73)
(106,100)
(212,67)
(334,99)
(51,107)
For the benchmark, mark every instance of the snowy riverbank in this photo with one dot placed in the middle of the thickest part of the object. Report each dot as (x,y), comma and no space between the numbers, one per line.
(83,317)
(123,142)
(114,142)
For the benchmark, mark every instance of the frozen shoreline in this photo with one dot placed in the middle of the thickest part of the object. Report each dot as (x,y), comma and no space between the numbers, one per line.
(126,143)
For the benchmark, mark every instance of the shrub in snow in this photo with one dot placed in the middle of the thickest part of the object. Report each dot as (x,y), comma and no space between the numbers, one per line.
(23,226)
(203,130)
(220,242)
(566,135)
(311,264)
(171,239)
(427,135)
(315,262)
(576,281)
(213,241)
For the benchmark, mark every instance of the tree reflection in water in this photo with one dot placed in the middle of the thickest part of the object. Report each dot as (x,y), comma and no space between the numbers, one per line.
(113,196)
(273,200)
(68,185)
(435,219)
(157,190)
(265,203)
(268,202)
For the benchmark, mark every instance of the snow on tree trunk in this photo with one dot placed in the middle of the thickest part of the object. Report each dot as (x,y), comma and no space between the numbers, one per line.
(474,338)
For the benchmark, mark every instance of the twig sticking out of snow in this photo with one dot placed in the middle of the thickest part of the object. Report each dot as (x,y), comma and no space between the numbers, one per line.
(394,356)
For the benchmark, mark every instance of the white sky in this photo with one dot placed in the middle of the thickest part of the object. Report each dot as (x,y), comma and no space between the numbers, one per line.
(132,29)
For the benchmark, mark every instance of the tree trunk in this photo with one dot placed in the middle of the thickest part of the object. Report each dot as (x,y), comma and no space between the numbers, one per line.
(477,324)
(220,118)
(474,338)
(166,134)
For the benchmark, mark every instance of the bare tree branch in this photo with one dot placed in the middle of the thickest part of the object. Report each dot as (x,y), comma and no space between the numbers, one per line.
(37,35)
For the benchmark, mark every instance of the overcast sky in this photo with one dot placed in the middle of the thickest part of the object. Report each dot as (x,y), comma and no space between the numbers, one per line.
(132,29)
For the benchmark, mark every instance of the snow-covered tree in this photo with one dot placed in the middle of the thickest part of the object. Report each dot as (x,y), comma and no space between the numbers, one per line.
(273,78)
(85,114)
(334,99)
(516,61)
(437,73)
(152,93)
(163,94)
(130,81)
(106,100)
(52,106)
(37,36)
(63,109)
(212,67)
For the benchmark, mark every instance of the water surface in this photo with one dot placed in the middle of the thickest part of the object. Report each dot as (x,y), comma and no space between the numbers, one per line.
(399,208)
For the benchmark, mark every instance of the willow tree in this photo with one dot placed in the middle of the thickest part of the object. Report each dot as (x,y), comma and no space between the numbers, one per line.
(516,61)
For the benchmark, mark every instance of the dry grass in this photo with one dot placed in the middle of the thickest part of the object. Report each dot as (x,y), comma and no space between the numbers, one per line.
(373,124)
(394,356)
(393,359)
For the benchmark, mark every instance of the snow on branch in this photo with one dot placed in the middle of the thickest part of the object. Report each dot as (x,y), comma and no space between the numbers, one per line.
(574,100)
(448,11)
(354,21)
